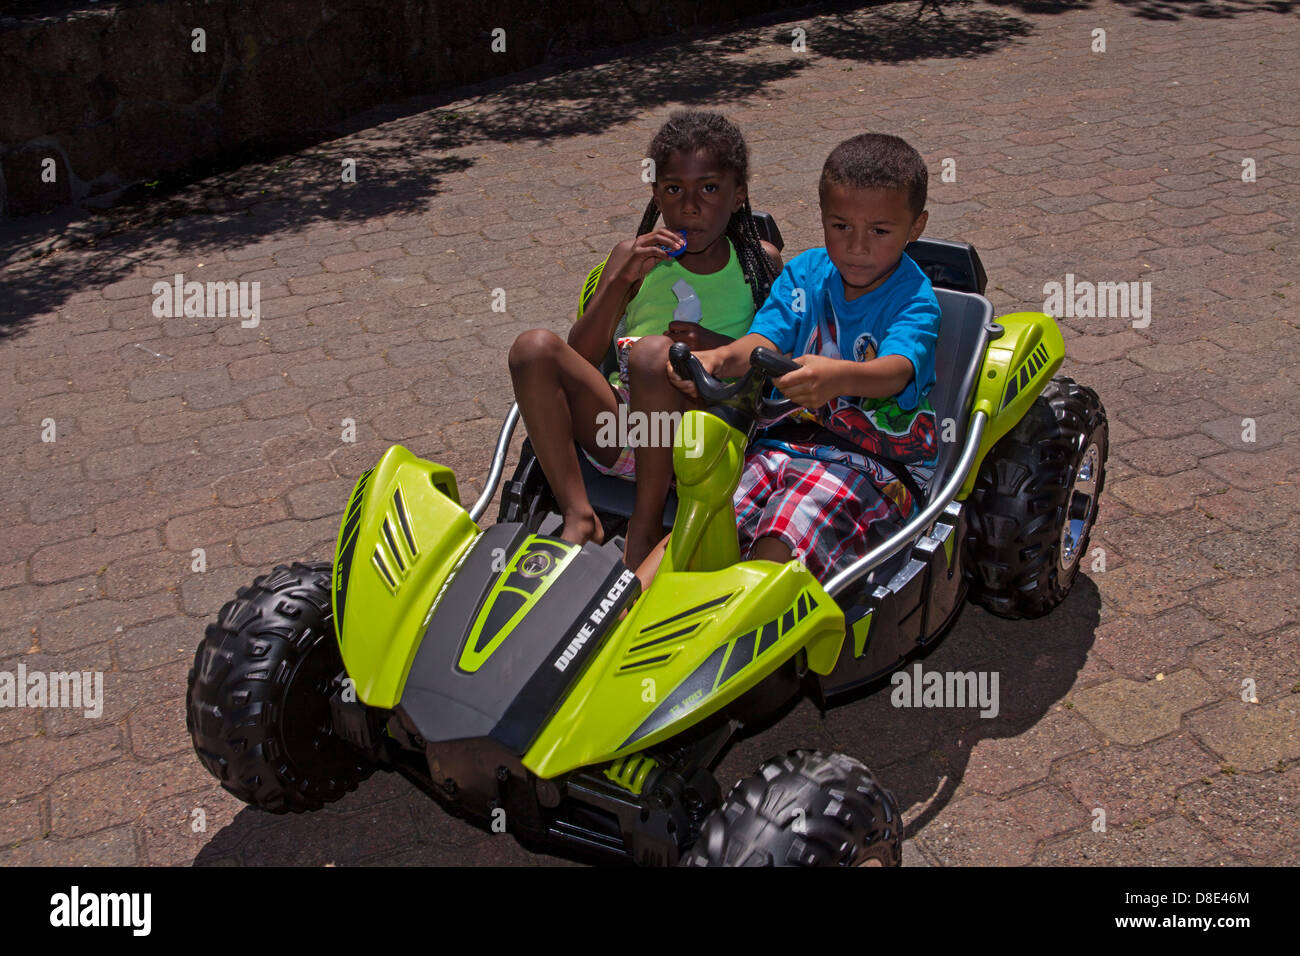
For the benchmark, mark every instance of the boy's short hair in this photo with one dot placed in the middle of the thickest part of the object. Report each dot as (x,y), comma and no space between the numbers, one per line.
(877,161)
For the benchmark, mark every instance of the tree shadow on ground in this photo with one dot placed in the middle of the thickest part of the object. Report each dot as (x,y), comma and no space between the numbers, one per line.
(288,186)
(1159,9)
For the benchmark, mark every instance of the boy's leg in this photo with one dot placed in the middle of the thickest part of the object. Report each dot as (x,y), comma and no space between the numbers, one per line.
(560,394)
(650,566)
(771,549)
(652,398)
(824,512)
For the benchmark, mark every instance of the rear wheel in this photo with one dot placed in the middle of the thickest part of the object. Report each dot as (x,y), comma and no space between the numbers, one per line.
(804,809)
(1035,502)
(258,703)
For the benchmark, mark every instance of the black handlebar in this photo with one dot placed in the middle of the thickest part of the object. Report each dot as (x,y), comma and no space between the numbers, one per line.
(764,363)
(773,363)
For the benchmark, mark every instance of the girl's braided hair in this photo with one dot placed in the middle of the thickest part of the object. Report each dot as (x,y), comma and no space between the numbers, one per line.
(693,130)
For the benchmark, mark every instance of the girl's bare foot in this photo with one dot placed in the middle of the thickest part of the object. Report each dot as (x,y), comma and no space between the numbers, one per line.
(581,528)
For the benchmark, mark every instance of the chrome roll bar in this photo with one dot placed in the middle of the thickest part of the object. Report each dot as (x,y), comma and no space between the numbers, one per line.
(498,464)
(855,571)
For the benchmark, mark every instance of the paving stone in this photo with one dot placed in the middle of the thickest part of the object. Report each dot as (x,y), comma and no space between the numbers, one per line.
(118,793)
(1272,661)
(979,831)
(1000,765)
(1254,605)
(32,764)
(1132,712)
(1170,841)
(1254,815)
(1135,784)
(1251,737)
(107,848)
(1142,647)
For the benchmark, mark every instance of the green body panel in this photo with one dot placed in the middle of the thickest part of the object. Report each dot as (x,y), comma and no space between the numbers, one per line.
(708,458)
(471,659)
(693,643)
(861,628)
(403,533)
(630,772)
(1016,368)
(589,286)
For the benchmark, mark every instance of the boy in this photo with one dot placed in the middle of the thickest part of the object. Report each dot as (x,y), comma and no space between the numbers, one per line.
(862,320)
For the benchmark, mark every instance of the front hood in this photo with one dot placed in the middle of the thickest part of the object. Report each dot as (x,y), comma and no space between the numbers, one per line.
(510,634)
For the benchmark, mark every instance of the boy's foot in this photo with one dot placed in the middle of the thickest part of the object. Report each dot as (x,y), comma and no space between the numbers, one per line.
(581,528)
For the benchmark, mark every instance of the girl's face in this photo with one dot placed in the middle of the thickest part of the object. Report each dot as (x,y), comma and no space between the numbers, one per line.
(697,194)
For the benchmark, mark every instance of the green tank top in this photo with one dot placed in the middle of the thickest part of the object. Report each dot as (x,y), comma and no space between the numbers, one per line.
(722,301)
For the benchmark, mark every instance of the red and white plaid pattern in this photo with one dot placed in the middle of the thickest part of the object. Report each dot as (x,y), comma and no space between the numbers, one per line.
(823,511)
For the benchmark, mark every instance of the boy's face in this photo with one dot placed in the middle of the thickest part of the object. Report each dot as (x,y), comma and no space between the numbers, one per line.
(696,194)
(866,231)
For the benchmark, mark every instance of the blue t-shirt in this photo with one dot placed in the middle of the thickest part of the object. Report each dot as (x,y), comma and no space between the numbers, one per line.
(806,313)
(900,317)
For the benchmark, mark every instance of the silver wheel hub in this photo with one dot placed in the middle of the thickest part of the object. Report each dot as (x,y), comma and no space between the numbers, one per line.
(1081,509)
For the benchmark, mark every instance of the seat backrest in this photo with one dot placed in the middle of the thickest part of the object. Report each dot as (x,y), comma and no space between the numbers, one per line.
(958,357)
(949,264)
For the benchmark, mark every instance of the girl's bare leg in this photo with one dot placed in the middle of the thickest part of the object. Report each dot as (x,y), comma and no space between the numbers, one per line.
(560,395)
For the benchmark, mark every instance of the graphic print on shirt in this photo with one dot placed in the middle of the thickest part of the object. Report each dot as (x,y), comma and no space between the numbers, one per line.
(878,425)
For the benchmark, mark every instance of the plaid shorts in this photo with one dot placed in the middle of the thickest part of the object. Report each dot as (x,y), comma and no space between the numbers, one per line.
(826,513)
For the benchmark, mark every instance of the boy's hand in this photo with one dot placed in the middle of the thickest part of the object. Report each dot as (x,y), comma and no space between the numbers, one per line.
(644,253)
(712,360)
(818,380)
(696,336)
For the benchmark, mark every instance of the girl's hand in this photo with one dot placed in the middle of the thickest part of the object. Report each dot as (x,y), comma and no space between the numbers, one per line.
(644,253)
(696,336)
(818,380)
(712,360)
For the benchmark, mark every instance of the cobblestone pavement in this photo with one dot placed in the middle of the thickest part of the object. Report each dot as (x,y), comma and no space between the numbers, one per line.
(1125,165)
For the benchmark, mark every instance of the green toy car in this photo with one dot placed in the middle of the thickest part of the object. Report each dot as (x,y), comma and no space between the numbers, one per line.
(527,683)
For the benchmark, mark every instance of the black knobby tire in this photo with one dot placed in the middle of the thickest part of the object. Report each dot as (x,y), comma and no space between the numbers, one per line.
(1025,495)
(804,809)
(258,707)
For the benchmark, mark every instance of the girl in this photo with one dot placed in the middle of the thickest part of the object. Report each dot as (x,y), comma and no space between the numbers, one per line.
(704,294)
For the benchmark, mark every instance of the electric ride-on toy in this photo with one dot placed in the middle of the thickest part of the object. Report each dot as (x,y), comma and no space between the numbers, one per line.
(526,682)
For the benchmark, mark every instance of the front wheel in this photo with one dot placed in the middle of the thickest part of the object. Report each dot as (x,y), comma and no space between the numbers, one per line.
(1035,501)
(804,809)
(258,703)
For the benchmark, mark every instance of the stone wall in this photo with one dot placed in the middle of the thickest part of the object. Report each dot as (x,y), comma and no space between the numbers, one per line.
(96,98)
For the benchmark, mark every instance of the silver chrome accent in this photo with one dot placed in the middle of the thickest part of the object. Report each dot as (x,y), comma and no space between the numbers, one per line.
(907,534)
(498,464)
(1084,490)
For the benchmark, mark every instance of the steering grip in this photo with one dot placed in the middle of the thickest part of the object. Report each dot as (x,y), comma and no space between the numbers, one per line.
(763,362)
(684,363)
(775,365)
